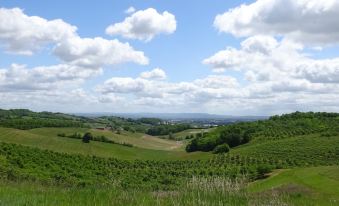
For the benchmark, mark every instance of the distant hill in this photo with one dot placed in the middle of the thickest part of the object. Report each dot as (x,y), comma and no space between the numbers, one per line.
(26,119)
(174,116)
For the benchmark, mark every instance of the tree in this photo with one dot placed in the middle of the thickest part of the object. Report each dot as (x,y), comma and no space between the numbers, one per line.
(87,137)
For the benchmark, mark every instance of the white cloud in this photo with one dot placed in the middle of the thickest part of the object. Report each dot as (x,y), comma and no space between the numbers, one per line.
(144,25)
(265,59)
(262,58)
(319,71)
(96,52)
(309,21)
(277,70)
(197,91)
(24,34)
(122,85)
(217,82)
(156,73)
(130,10)
(20,78)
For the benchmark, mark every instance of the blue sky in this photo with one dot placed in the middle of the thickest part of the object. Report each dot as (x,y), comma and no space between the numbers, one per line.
(181,53)
(229,66)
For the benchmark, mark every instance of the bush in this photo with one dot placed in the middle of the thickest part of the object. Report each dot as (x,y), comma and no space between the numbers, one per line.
(263,170)
(223,148)
(87,137)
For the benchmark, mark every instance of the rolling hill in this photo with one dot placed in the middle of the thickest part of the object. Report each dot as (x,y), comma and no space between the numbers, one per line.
(286,160)
(144,147)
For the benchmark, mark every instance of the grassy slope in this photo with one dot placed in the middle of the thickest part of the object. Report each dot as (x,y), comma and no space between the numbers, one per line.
(308,186)
(47,139)
(183,134)
(136,139)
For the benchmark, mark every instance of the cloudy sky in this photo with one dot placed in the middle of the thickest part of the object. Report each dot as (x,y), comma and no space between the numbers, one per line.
(225,57)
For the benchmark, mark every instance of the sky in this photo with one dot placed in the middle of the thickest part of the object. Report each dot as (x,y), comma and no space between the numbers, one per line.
(237,57)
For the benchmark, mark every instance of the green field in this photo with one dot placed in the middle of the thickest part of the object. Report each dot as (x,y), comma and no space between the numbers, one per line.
(304,186)
(46,138)
(297,187)
(136,139)
(182,135)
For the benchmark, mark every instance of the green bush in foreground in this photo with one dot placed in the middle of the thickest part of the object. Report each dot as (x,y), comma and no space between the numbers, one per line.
(224,148)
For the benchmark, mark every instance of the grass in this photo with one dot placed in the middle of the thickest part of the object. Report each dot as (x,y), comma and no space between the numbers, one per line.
(306,186)
(182,135)
(136,139)
(46,138)
(196,192)
(297,187)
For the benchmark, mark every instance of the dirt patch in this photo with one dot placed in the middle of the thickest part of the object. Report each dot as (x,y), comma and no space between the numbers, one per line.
(289,189)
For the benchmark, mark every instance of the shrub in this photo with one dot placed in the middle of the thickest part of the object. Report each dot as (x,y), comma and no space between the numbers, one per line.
(87,137)
(263,170)
(223,148)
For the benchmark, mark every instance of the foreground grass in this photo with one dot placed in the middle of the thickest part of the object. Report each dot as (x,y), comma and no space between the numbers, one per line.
(308,186)
(47,138)
(196,192)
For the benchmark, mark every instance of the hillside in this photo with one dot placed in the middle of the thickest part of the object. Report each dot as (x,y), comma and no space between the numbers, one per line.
(307,186)
(144,147)
(26,119)
(275,128)
(278,157)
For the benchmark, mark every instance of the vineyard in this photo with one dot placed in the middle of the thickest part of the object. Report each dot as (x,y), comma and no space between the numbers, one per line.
(24,163)
(275,128)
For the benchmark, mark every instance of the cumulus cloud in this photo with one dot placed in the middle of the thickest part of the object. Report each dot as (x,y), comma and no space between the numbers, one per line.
(277,68)
(96,52)
(24,34)
(144,25)
(197,91)
(156,73)
(20,78)
(56,85)
(263,58)
(130,10)
(312,22)
(319,71)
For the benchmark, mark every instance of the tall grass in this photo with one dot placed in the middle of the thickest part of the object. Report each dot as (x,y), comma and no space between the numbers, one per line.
(195,192)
